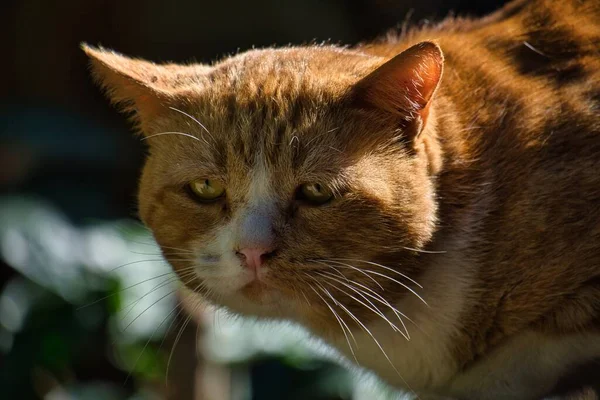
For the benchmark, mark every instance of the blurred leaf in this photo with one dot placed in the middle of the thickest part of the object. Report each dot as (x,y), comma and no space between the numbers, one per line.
(141,361)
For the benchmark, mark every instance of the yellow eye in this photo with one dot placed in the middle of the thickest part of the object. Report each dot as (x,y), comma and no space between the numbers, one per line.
(207,189)
(315,193)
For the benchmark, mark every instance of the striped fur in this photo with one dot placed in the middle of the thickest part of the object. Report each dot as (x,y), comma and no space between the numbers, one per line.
(482,186)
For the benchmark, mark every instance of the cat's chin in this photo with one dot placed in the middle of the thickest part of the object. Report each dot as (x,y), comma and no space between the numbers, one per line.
(240,304)
(254,299)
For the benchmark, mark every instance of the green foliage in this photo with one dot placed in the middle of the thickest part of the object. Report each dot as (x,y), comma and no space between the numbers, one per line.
(87,310)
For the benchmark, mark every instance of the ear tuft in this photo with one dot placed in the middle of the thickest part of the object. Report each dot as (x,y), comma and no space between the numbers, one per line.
(404,86)
(132,83)
(140,86)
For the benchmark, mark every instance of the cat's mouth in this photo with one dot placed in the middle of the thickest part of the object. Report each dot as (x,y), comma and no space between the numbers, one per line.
(240,283)
(254,290)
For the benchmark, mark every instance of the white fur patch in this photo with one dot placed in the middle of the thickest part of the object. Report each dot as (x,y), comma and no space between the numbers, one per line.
(260,191)
(228,275)
(424,361)
(225,275)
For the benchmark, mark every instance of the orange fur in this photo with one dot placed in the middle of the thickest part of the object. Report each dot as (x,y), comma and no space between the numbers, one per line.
(482,184)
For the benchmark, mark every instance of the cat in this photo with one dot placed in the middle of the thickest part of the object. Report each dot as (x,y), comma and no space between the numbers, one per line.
(428,204)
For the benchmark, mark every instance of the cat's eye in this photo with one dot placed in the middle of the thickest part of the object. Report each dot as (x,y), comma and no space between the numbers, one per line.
(207,189)
(314,193)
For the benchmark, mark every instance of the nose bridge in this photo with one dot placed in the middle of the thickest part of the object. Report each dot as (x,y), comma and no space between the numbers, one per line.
(256,228)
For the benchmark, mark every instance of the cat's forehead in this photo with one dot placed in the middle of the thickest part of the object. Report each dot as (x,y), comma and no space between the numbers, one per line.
(294,70)
(273,142)
(282,109)
(279,105)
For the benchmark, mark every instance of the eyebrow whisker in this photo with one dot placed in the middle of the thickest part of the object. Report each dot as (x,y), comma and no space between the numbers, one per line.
(190,116)
(171,133)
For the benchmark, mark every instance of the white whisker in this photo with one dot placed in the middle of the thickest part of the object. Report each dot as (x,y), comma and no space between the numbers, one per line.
(384,267)
(192,118)
(173,133)
(380,299)
(152,336)
(372,306)
(369,333)
(160,285)
(181,330)
(425,251)
(127,288)
(342,324)
(351,267)
(137,262)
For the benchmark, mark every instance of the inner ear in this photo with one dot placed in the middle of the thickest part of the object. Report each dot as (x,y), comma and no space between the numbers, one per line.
(404,86)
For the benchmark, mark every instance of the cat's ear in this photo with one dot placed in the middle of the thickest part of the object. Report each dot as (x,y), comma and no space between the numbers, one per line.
(404,86)
(140,86)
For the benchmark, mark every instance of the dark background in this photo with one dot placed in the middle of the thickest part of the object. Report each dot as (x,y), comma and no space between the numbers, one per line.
(63,146)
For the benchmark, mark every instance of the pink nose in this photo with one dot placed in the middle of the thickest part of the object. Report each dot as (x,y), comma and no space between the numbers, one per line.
(254,258)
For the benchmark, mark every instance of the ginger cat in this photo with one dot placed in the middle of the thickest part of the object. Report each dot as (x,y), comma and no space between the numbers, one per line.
(428,204)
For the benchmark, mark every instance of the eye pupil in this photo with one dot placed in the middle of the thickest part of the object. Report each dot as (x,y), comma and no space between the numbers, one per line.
(314,193)
(206,189)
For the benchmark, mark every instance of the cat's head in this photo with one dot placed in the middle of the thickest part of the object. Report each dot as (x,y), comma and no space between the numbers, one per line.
(279,180)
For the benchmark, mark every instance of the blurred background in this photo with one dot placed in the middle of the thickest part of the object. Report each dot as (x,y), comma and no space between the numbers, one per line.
(88,309)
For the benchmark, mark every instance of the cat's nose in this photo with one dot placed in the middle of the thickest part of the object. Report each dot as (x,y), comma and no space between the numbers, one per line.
(254,257)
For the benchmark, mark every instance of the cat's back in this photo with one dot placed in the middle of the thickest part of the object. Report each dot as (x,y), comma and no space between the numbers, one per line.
(526,84)
(521,92)
(518,112)
(541,57)
(523,88)
(525,77)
